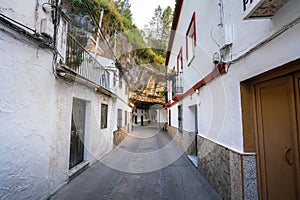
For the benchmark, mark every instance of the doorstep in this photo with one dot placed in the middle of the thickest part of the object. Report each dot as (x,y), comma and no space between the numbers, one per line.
(193,159)
(78,169)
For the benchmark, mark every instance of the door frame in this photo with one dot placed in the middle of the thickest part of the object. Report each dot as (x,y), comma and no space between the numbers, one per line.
(84,131)
(251,136)
(297,145)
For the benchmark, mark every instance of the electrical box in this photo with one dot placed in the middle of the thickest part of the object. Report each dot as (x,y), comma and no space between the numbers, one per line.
(224,35)
(47,28)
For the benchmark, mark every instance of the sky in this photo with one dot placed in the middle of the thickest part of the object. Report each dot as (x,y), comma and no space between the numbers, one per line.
(143,10)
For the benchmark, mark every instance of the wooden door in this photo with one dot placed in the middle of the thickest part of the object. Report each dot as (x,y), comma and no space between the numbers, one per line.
(277,148)
(77,133)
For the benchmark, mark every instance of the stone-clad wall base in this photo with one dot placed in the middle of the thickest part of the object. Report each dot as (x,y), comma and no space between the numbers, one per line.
(185,140)
(214,165)
(231,174)
(120,135)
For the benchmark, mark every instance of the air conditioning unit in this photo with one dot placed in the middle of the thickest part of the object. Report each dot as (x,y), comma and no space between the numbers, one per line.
(46,28)
(261,8)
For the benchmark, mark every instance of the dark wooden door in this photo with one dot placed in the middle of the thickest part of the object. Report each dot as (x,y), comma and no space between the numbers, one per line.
(77,133)
(277,139)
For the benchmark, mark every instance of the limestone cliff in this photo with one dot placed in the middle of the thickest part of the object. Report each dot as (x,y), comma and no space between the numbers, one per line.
(141,68)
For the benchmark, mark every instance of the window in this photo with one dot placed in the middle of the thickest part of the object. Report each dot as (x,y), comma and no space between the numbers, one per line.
(115,80)
(119,122)
(179,61)
(104,111)
(126,117)
(126,89)
(191,40)
(120,81)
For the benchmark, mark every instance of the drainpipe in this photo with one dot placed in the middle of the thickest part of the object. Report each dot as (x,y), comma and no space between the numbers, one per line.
(56,22)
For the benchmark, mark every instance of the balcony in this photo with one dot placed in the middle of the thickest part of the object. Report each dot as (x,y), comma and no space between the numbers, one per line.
(177,86)
(81,66)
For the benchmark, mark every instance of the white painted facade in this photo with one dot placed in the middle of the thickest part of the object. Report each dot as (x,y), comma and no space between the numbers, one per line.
(122,102)
(248,48)
(219,102)
(161,116)
(120,89)
(142,112)
(36,110)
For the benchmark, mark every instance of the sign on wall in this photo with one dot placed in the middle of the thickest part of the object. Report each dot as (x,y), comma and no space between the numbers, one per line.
(261,8)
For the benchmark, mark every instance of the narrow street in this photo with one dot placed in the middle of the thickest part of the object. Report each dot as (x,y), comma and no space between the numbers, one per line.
(146,165)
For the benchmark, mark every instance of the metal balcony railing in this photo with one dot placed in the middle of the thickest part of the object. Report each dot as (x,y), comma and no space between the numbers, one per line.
(84,64)
(177,86)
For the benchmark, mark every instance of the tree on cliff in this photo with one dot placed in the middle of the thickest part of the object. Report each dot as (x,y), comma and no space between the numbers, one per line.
(123,7)
(158,30)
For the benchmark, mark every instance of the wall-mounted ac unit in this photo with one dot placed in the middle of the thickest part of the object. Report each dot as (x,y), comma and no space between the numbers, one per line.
(47,28)
(261,8)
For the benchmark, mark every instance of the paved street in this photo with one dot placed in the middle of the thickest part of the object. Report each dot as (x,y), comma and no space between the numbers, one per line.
(146,165)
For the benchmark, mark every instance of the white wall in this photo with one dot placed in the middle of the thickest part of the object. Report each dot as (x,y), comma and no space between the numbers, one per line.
(29,13)
(35,118)
(161,114)
(35,113)
(25,148)
(122,102)
(219,116)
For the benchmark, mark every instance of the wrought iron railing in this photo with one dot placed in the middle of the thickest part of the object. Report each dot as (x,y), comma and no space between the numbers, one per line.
(84,64)
(177,86)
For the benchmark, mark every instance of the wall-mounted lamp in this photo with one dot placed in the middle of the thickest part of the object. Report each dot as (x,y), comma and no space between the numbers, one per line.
(62,73)
(216,58)
(197,91)
(47,7)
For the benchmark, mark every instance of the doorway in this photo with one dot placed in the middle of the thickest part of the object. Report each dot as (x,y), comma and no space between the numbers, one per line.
(180,124)
(193,149)
(276,123)
(77,132)
(196,129)
(142,120)
(170,117)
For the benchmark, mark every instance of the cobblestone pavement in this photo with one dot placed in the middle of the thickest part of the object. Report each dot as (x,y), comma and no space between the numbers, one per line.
(146,165)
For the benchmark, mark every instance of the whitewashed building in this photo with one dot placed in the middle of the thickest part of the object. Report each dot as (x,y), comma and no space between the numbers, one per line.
(236,90)
(58,105)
